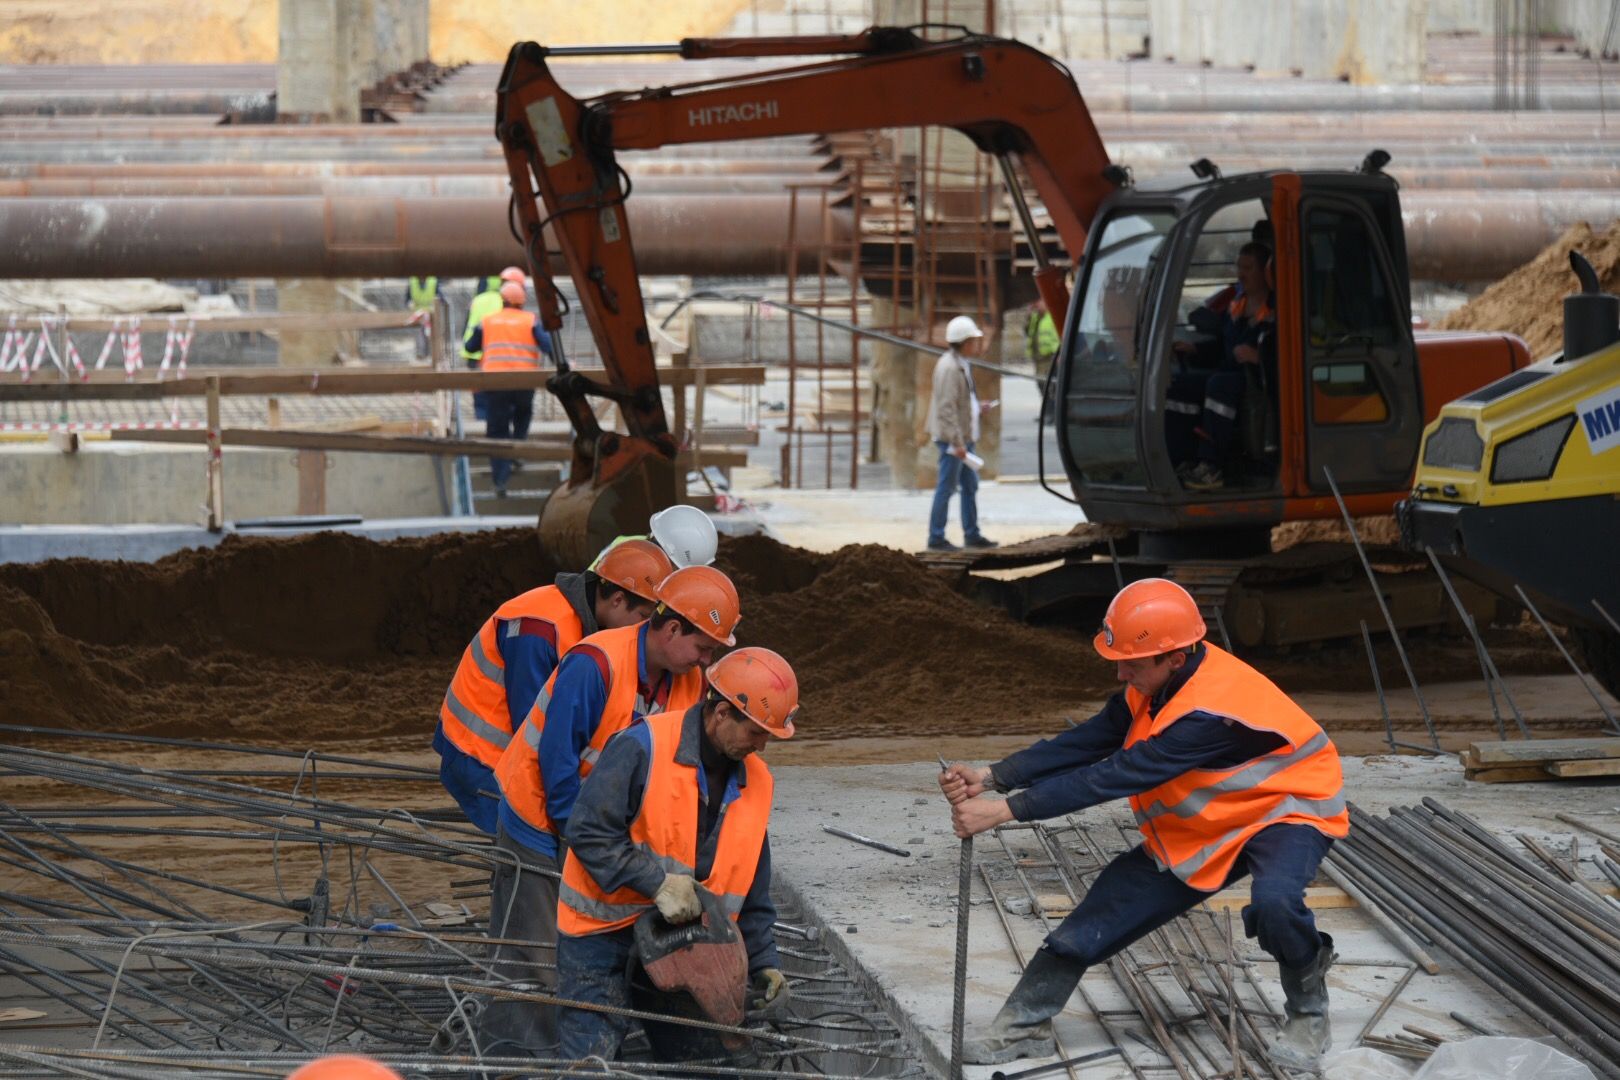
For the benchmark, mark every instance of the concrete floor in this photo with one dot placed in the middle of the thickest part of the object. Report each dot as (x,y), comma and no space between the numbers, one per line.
(896,916)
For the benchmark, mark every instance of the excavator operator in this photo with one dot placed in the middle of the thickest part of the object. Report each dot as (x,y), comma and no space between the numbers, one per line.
(1203,399)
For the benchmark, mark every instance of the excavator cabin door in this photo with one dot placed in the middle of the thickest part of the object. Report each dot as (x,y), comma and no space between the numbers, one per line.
(1359,403)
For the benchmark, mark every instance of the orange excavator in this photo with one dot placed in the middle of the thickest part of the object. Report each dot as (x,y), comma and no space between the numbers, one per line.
(1351,387)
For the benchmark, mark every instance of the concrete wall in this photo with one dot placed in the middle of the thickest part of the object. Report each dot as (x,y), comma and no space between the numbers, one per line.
(1462,16)
(329,50)
(1363,41)
(1586,20)
(114,483)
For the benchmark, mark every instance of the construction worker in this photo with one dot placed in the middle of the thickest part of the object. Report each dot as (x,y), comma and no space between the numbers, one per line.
(1228,777)
(686,534)
(701,769)
(953,421)
(605,683)
(1041,345)
(506,664)
(510,339)
(486,301)
(1203,399)
(422,294)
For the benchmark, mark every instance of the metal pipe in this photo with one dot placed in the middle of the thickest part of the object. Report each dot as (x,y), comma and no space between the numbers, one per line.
(489,186)
(334,237)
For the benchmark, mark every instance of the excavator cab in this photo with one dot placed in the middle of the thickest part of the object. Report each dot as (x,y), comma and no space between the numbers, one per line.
(1335,387)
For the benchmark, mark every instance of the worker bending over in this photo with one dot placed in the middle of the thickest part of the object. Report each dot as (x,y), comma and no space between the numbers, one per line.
(513,654)
(1227,776)
(510,339)
(605,683)
(680,801)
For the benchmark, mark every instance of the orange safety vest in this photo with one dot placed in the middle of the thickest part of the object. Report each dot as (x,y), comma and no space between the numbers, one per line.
(509,341)
(518,772)
(474,715)
(1240,307)
(1196,825)
(666,828)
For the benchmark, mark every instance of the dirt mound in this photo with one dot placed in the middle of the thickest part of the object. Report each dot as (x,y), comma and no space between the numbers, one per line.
(1374,531)
(45,678)
(1530,301)
(882,645)
(328,595)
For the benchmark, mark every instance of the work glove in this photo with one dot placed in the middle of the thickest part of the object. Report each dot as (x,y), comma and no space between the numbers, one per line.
(767,994)
(677,899)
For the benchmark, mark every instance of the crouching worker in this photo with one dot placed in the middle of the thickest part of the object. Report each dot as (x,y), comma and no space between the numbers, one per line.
(667,846)
(1227,776)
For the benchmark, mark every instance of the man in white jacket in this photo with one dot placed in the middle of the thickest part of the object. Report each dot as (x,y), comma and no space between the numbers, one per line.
(953,421)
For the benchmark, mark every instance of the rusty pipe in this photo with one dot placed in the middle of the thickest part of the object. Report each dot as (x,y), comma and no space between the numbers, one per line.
(206,170)
(486,187)
(742,235)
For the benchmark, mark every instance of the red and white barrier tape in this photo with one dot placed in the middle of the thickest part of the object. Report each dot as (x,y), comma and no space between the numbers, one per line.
(104,425)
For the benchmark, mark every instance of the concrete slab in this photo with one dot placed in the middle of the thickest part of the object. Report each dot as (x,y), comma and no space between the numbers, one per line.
(895,916)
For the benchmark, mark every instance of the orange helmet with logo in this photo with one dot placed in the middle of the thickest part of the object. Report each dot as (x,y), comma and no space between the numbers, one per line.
(636,566)
(343,1067)
(1149,617)
(704,597)
(514,293)
(761,684)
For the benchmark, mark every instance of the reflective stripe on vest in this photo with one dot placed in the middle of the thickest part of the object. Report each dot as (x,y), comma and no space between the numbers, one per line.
(665,829)
(509,341)
(423,292)
(518,771)
(475,716)
(483,305)
(1196,824)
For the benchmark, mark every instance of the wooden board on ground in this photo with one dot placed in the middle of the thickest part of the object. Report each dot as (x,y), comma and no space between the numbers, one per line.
(1573,769)
(1317,898)
(1525,750)
(1507,774)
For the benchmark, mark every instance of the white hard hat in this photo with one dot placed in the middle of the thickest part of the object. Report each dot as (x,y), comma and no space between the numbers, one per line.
(686,534)
(961,329)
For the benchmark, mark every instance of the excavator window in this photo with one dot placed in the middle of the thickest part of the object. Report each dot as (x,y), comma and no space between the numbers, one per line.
(1349,310)
(1100,411)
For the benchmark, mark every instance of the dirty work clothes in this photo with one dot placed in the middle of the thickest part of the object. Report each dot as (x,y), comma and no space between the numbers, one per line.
(522,905)
(953,475)
(1132,897)
(599,830)
(1200,414)
(596,969)
(1089,764)
(509,413)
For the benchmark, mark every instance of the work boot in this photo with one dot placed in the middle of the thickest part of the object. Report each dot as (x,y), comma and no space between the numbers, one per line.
(1306,1033)
(942,545)
(980,541)
(1023,1027)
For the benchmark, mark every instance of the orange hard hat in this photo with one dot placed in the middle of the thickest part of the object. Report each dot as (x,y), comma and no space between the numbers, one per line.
(761,684)
(1149,617)
(343,1067)
(704,597)
(514,293)
(515,273)
(636,566)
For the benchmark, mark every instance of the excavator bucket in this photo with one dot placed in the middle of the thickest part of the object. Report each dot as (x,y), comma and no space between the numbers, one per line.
(609,496)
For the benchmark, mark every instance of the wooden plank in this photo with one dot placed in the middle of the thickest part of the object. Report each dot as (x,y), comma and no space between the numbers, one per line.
(1507,774)
(216,460)
(413,379)
(1317,898)
(1570,769)
(1517,752)
(311,482)
(286,439)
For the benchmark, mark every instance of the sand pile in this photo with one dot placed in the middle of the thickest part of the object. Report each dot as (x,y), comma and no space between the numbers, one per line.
(1530,301)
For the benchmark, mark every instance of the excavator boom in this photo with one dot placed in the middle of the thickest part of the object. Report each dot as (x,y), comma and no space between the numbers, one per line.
(568,193)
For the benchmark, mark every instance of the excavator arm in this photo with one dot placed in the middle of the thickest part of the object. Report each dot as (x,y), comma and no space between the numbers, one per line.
(568,195)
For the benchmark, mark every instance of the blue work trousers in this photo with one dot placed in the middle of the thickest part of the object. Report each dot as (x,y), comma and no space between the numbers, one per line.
(1200,416)
(509,414)
(464,776)
(595,968)
(954,474)
(1132,897)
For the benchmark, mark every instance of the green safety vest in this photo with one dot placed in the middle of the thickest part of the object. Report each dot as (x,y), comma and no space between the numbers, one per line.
(1041,336)
(485,303)
(423,293)
(617,540)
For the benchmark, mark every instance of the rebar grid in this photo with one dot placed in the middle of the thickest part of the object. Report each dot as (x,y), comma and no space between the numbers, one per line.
(154,968)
